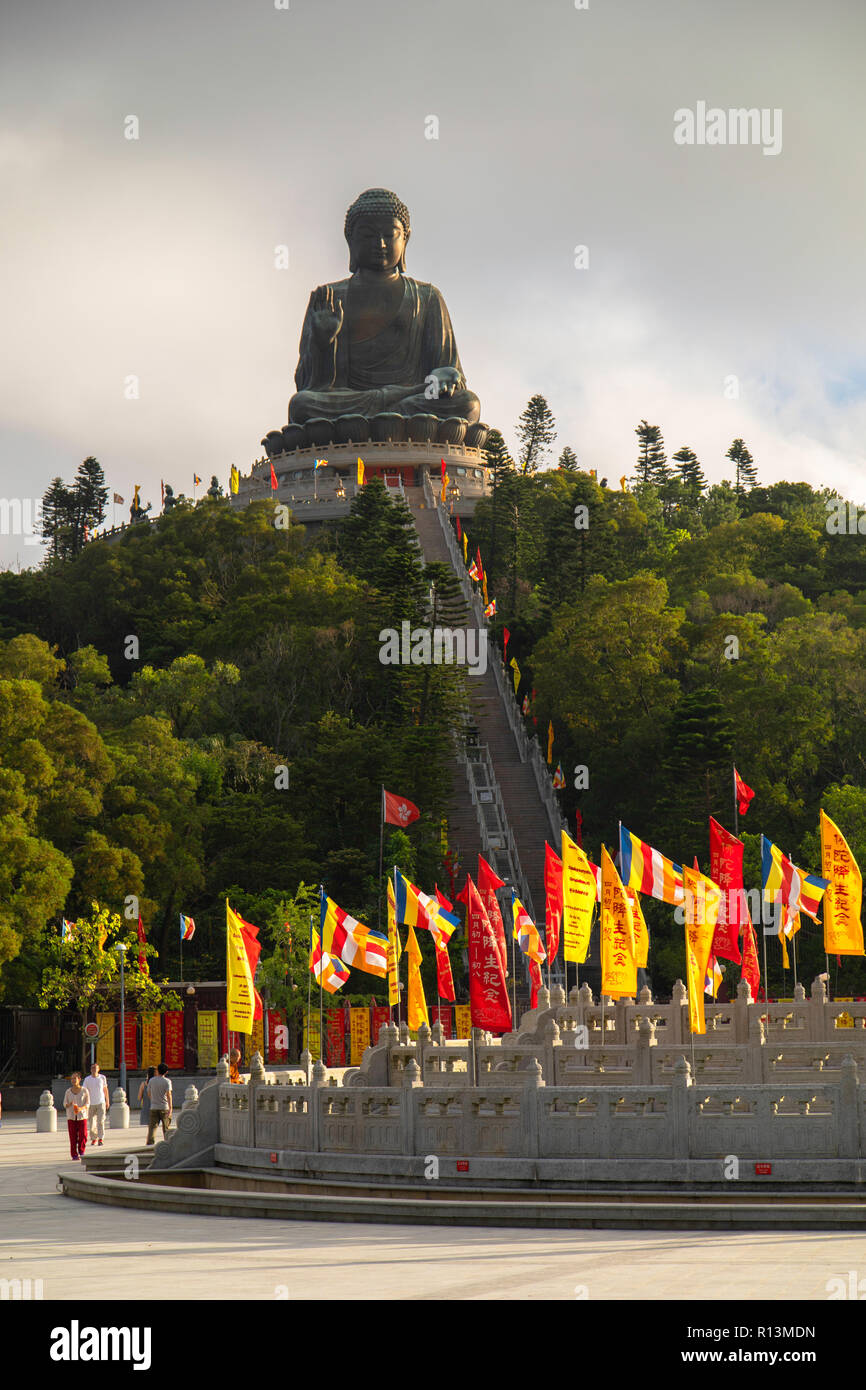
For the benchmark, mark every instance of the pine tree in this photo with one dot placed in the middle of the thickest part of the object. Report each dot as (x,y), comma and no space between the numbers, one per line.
(89,495)
(501,465)
(58,510)
(652,463)
(690,471)
(536,429)
(568,460)
(747,473)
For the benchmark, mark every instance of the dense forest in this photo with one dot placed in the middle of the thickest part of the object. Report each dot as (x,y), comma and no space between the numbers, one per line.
(197,709)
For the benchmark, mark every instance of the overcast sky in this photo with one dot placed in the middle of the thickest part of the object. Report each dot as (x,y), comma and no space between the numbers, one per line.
(258,127)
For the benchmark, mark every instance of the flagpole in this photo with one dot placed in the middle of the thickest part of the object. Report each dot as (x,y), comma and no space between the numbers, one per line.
(381,842)
(736,802)
(394,945)
(309,996)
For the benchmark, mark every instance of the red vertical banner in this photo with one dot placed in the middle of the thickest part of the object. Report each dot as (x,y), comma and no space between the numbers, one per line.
(380,1014)
(336,1038)
(173,1050)
(130,1039)
(441,1013)
(224,1032)
(278,1036)
(726,869)
(488,991)
(553,901)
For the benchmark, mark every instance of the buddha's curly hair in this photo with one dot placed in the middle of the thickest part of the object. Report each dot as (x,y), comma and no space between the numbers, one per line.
(378,202)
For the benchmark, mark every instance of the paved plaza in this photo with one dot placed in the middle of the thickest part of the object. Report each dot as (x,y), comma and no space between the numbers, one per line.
(82,1251)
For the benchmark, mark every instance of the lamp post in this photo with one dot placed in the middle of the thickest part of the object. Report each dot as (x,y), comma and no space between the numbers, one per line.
(453,494)
(121,951)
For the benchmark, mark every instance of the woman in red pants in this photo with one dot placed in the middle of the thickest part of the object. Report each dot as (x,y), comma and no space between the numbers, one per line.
(76,1102)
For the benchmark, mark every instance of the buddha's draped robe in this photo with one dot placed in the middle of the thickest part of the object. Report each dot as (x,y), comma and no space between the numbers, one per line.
(386,372)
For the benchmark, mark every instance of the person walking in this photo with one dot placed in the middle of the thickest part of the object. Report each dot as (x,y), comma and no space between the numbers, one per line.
(75,1103)
(97,1091)
(144,1098)
(159,1090)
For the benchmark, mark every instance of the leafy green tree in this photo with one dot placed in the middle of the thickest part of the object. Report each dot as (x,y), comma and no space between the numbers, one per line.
(536,431)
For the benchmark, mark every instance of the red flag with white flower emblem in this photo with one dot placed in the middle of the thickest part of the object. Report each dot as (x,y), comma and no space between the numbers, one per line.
(398,810)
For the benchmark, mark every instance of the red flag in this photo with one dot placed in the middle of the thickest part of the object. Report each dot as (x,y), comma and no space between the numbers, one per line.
(459,529)
(444,978)
(535,981)
(553,900)
(398,810)
(726,869)
(750,970)
(142,958)
(743,793)
(162,504)
(441,898)
(488,991)
(463,895)
(478,562)
(505,636)
(253,948)
(274,483)
(443,470)
(488,882)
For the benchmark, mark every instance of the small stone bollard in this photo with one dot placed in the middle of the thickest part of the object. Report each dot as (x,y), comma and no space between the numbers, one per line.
(46,1115)
(190,1099)
(118,1115)
(257,1068)
(223,1069)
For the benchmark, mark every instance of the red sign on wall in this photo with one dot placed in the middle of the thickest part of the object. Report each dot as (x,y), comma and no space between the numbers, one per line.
(335,1020)
(763,1169)
(380,1014)
(174,1058)
(130,1039)
(442,1013)
(277,1033)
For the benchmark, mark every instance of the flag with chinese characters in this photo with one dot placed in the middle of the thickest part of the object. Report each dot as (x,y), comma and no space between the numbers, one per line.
(618,959)
(750,971)
(488,884)
(488,991)
(702,902)
(395,950)
(843,900)
(239,993)
(552,900)
(726,869)
(641,933)
(578,900)
(417,1004)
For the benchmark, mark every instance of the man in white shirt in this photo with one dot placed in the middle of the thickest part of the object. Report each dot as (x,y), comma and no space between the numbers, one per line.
(97,1091)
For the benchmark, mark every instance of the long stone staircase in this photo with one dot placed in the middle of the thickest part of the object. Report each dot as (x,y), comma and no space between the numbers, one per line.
(528,818)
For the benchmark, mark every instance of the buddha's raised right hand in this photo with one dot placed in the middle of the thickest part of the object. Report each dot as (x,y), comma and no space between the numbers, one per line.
(326,318)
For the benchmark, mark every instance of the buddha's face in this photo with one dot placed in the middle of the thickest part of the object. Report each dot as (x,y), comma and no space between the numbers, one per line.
(377,243)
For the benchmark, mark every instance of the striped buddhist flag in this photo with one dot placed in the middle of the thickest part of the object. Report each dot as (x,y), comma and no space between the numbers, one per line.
(331,973)
(66,929)
(526,933)
(643,868)
(785,883)
(187,928)
(356,945)
(417,909)
(715,975)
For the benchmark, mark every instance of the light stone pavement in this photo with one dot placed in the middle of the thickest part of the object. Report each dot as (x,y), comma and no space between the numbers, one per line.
(82,1251)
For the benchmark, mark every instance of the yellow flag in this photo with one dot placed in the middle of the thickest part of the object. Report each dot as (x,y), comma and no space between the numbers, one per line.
(445,481)
(484,588)
(361,475)
(234,480)
(843,900)
(618,962)
(702,902)
(641,933)
(240,999)
(417,1010)
(516,669)
(550,742)
(790,926)
(578,900)
(394,948)
(465,547)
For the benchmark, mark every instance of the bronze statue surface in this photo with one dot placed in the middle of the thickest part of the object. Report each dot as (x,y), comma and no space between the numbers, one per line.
(379,341)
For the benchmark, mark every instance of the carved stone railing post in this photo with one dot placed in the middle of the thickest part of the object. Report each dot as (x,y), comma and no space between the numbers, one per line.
(741,1012)
(848,1110)
(646,1038)
(818,1012)
(412,1082)
(530,1105)
(678,1025)
(682,1081)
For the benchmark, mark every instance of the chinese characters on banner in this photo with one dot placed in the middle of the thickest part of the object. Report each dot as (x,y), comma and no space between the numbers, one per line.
(843,931)
(726,869)
(174,1051)
(381,1015)
(702,903)
(312,1037)
(488,992)
(151,1045)
(462,1020)
(336,1037)
(276,1021)
(618,962)
(441,1013)
(578,900)
(359,1035)
(207,1039)
(258,1037)
(130,1041)
(105,1042)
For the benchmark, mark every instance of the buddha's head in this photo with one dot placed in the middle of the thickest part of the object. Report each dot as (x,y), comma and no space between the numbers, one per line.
(377,230)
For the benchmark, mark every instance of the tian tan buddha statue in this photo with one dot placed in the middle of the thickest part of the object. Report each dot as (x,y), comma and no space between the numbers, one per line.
(377,354)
